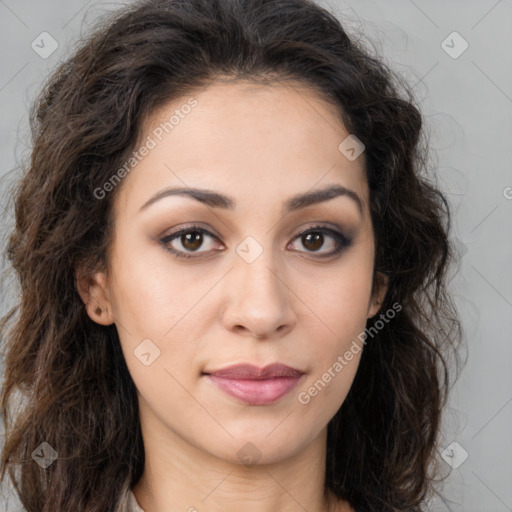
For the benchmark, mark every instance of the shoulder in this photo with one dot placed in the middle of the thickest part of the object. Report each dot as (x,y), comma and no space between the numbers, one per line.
(133,506)
(127,501)
(340,505)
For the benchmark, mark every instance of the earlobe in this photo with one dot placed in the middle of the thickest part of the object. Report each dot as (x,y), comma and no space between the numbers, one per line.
(100,315)
(94,292)
(380,290)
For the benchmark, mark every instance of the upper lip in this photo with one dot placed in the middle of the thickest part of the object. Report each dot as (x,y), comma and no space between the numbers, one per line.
(249,371)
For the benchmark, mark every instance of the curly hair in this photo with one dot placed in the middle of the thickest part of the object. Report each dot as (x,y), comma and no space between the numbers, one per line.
(66,381)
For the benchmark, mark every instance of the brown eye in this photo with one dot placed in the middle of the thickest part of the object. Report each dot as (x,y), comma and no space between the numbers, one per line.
(189,240)
(192,241)
(318,237)
(313,241)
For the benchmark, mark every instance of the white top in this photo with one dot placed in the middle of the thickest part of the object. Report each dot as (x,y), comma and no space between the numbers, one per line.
(133,506)
(127,501)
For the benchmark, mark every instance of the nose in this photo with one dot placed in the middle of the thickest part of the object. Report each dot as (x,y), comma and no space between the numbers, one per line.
(258,300)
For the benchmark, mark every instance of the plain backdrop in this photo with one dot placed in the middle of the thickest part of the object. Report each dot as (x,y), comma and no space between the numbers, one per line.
(466,97)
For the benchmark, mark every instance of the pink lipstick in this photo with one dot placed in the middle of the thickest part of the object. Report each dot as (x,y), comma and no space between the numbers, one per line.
(254,385)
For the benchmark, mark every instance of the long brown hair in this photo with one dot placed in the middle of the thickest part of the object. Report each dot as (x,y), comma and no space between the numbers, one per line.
(66,382)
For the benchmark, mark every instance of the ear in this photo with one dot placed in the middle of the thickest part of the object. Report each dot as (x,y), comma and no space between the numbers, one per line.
(379,293)
(94,292)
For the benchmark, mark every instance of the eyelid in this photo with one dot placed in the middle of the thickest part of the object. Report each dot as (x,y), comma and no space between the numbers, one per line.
(322,228)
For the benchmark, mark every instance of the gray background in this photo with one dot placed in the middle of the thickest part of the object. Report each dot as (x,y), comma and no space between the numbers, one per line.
(467,102)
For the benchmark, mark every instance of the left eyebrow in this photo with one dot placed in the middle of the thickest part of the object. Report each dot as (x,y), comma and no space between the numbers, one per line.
(217,200)
(310,198)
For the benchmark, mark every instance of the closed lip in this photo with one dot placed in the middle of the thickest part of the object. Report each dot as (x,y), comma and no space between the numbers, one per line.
(248,371)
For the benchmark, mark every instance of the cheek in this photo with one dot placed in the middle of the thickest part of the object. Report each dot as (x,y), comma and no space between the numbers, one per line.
(338,310)
(337,303)
(157,301)
(148,295)
(327,387)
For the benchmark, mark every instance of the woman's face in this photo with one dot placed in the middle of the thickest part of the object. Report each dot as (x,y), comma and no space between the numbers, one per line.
(249,289)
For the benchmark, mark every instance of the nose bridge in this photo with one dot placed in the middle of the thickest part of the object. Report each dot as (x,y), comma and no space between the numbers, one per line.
(255,270)
(259,300)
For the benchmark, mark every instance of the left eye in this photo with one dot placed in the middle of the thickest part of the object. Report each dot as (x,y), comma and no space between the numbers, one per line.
(314,238)
(191,239)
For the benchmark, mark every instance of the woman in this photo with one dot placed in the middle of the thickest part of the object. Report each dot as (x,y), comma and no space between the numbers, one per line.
(232,269)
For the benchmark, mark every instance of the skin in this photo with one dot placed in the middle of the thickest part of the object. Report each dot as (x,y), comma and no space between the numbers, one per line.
(260,145)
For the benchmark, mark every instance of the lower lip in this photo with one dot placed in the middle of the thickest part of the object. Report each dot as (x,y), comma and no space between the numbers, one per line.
(256,392)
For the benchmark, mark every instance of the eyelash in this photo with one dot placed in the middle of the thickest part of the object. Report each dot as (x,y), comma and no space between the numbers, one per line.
(343,241)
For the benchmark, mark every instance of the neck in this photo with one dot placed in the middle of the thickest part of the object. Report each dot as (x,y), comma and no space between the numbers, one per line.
(180,476)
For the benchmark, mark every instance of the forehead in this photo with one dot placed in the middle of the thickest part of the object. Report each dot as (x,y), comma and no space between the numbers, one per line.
(246,139)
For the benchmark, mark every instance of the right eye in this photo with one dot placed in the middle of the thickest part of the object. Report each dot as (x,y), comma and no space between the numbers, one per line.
(186,239)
